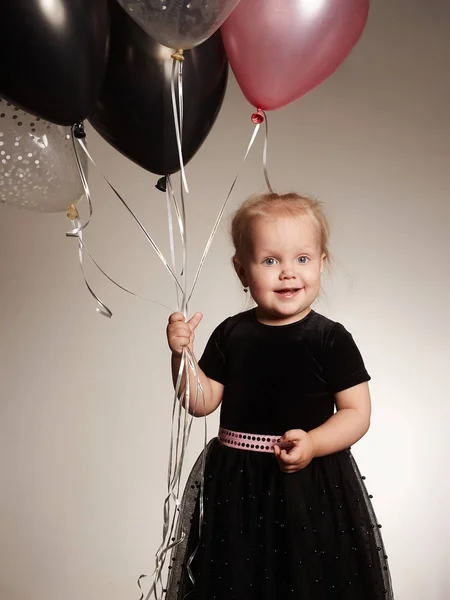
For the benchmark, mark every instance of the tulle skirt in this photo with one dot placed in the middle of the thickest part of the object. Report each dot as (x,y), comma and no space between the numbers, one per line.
(269,535)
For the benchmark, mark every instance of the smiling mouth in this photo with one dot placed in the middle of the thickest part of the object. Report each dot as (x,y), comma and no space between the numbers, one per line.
(287,292)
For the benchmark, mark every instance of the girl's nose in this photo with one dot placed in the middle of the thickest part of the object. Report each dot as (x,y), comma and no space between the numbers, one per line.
(287,272)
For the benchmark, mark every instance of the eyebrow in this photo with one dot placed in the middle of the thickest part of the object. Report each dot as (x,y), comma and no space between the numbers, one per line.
(300,251)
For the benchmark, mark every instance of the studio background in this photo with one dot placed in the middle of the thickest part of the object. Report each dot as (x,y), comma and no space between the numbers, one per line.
(85,401)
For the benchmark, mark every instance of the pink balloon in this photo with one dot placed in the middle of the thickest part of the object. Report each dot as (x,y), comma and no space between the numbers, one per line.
(281,49)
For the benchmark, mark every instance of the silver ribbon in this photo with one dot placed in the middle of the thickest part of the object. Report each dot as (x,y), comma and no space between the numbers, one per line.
(78,228)
(169,198)
(177,71)
(224,205)
(266,144)
(221,211)
(180,434)
(179,439)
(137,220)
(178,114)
(181,420)
(103,272)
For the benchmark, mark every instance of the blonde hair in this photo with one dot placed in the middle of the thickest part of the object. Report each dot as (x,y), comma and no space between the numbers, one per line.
(269,205)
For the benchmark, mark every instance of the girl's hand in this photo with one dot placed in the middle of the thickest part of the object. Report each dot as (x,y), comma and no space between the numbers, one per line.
(299,455)
(181,334)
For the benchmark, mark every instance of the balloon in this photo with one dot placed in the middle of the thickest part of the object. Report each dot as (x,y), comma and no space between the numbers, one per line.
(179,24)
(37,163)
(53,56)
(135,109)
(281,49)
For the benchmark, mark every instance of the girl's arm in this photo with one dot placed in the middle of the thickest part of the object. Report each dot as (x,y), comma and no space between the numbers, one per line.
(180,336)
(344,428)
(201,404)
(348,425)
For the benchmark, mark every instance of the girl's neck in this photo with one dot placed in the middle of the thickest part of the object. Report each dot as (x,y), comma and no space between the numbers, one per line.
(268,319)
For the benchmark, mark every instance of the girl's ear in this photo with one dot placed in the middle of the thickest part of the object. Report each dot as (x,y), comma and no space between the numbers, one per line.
(323,259)
(240,271)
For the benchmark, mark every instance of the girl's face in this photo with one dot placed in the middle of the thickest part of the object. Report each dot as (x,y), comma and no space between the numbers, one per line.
(282,268)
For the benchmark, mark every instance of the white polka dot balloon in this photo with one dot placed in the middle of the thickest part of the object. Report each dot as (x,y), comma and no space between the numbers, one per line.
(38,169)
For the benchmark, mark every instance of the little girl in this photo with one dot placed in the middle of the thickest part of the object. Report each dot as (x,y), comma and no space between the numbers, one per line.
(285,512)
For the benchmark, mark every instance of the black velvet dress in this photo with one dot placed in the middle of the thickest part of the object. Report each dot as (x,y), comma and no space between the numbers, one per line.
(265,534)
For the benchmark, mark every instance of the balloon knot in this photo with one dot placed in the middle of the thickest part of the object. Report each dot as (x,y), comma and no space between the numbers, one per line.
(161,184)
(72,213)
(178,55)
(258,117)
(78,131)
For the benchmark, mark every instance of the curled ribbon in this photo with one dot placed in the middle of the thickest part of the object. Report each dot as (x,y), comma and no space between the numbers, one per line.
(181,420)
(181,429)
(180,439)
(177,74)
(80,227)
(78,232)
(137,220)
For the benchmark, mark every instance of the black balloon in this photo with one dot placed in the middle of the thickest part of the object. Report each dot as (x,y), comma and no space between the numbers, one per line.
(135,112)
(53,56)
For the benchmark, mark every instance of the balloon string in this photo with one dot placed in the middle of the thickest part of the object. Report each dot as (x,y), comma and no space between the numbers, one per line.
(202,475)
(190,363)
(74,232)
(222,210)
(181,421)
(266,144)
(182,230)
(180,107)
(78,227)
(171,234)
(76,223)
(168,521)
(178,125)
(185,300)
(184,303)
(182,426)
(175,205)
(103,272)
(143,229)
(181,430)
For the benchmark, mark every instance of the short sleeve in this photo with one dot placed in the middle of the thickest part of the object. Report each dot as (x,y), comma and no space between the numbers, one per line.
(343,364)
(212,362)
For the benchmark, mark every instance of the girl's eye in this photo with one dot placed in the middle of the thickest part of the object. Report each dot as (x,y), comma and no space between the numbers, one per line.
(303,260)
(269,261)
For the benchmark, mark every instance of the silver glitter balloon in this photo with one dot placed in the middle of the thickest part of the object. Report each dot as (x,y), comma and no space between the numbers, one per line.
(38,169)
(179,24)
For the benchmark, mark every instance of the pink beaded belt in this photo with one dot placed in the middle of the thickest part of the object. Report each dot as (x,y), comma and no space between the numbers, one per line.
(249,441)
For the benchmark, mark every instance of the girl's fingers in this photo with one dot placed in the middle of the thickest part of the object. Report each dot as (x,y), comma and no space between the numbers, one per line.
(293,435)
(180,333)
(180,329)
(291,455)
(195,320)
(175,317)
(179,318)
